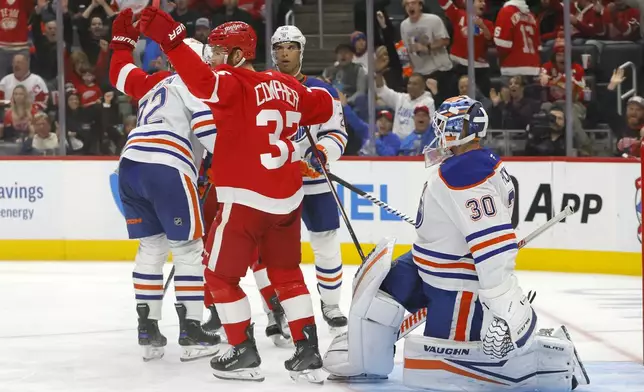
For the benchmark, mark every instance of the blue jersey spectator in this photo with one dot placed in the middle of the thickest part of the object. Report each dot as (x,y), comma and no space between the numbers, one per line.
(422,135)
(387,142)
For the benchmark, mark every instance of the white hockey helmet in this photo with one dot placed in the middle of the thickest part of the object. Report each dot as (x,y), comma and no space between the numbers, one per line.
(202,50)
(288,33)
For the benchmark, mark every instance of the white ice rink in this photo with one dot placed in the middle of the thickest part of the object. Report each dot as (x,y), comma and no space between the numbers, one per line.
(71,327)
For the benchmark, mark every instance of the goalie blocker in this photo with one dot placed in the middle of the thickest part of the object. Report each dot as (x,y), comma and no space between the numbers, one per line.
(381,293)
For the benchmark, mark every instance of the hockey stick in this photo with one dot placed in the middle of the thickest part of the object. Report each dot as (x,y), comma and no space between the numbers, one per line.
(167,282)
(326,175)
(372,199)
(416,319)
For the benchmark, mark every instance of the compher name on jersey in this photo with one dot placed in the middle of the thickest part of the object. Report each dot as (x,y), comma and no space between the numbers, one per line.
(268,91)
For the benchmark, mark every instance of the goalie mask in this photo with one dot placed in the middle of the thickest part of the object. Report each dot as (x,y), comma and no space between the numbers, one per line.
(288,34)
(459,120)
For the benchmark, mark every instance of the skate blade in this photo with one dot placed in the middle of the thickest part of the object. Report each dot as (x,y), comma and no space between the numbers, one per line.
(314,376)
(360,378)
(281,341)
(580,371)
(245,374)
(191,353)
(336,331)
(151,353)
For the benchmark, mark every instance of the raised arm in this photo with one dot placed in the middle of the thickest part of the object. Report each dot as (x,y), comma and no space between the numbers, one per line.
(204,83)
(124,75)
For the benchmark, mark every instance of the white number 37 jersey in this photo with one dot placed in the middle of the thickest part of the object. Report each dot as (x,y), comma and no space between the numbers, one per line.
(465,240)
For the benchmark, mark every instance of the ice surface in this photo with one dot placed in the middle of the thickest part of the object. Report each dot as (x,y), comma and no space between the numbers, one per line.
(72,327)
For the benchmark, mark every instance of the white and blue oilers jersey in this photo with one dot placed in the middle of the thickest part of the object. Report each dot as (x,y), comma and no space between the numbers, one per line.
(465,240)
(332,135)
(173,127)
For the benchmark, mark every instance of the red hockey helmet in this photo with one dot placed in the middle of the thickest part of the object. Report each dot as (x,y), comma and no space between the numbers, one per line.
(235,35)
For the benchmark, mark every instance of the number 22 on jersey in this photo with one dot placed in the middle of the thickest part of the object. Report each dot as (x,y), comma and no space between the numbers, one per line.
(290,122)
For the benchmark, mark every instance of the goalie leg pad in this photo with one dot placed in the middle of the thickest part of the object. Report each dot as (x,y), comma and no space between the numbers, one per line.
(546,365)
(374,320)
(188,278)
(148,272)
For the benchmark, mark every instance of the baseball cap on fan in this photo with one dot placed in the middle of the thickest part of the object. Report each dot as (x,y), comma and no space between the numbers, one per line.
(385,113)
(203,22)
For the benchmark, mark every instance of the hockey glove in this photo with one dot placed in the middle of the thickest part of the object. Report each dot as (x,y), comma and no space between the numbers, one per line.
(311,158)
(161,28)
(124,34)
(308,171)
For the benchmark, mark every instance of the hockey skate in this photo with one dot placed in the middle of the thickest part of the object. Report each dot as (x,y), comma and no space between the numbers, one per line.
(306,363)
(194,341)
(213,325)
(150,338)
(239,362)
(334,318)
(277,329)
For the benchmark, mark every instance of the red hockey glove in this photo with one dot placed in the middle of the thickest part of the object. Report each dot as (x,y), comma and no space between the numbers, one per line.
(124,34)
(161,28)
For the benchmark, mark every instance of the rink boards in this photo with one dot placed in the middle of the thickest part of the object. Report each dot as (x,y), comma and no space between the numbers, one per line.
(52,209)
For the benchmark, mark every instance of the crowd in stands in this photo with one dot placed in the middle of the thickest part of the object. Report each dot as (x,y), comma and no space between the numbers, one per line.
(519,71)
(421,59)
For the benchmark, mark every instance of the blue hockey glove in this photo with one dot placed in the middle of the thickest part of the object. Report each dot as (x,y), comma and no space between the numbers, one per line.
(312,160)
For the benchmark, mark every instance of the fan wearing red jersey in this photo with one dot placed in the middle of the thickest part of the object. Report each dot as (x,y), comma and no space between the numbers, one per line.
(516,36)
(482,38)
(258,181)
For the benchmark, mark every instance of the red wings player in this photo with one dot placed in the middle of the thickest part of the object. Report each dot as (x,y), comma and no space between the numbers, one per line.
(516,36)
(258,181)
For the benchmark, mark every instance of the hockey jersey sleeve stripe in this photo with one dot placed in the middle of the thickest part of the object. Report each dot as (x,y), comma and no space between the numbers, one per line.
(503,249)
(122,78)
(503,43)
(203,124)
(202,113)
(460,265)
(205,133)
(487,231)
(493,241)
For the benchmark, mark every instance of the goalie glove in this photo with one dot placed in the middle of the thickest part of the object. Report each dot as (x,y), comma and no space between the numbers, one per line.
(161,28)
(124,34)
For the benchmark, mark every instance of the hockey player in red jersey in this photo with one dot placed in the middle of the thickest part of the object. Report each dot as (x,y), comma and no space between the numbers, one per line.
(516,36)
(258,182)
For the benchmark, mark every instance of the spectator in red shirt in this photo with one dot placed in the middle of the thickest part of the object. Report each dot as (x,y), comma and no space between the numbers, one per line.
(14,31)
(482,39)
(550,19)
(89,92)
(553,79)
(619,21)
(19,115)
(585,20)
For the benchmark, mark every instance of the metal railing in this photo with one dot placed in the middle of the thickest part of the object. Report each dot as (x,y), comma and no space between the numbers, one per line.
(289,19)
(320,24)
(509,142)
(630,93)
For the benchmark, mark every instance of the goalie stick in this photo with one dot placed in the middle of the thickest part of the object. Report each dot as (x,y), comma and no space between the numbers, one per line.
(372,199)
(416,319)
